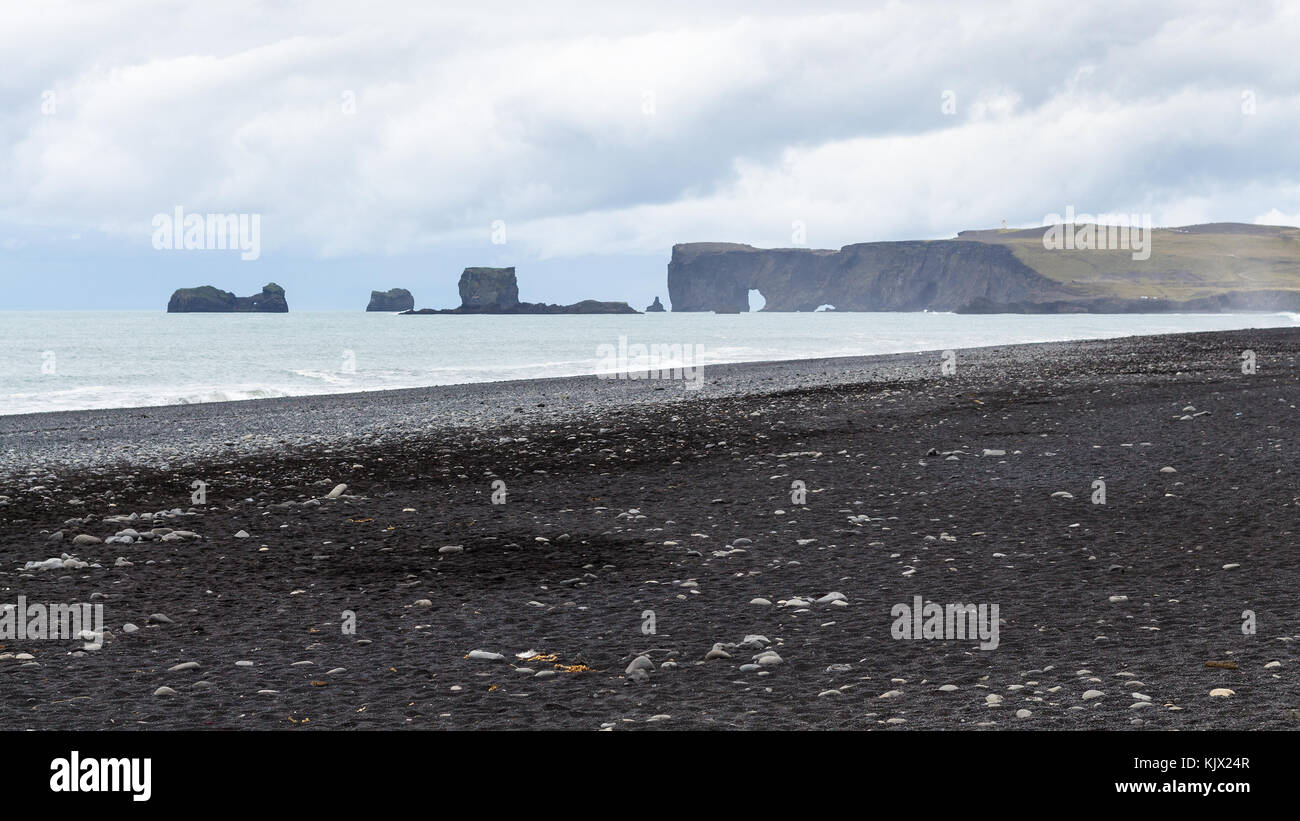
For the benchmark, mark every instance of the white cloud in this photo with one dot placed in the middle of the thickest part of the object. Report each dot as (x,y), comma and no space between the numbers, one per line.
(592,130)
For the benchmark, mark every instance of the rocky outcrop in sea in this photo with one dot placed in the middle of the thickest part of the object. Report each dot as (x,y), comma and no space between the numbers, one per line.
(393,300)
(208,299)
(496,291)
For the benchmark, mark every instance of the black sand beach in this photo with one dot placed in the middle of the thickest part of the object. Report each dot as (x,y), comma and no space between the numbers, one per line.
(626,499)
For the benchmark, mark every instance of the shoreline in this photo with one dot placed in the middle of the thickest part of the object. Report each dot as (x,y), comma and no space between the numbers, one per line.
(35,437)
(392,365)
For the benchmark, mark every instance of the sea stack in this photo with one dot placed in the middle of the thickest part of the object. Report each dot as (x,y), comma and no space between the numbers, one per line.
(655,307)
(393,300)
(496,291)
(207,299)
(489,290)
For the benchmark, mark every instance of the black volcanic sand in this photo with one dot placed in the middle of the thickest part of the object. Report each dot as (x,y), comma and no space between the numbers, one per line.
(626,497)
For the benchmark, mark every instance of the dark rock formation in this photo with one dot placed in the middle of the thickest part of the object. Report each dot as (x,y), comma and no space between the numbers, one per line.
(207,299)
(655,307)
(394,299)
(496,291)
(488,290)
(942,275)
(1218,267)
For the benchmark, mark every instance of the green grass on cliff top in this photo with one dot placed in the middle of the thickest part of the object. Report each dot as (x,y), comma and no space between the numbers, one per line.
(1185,263)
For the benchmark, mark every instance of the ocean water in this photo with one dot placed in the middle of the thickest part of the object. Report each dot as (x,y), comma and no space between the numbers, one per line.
(71,360)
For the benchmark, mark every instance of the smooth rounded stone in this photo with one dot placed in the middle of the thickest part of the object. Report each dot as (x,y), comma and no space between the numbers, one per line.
(832,597)
(48,564)
(804,542)
(668,665)
(1167,469)
(839,668)
(164,691)
(422,603)
(753,642)
(544,674)
(336,671)
(303,664)
(716,653)
(122,562)
(796,603)
(1062,494)
(742,542)
(1231,566)
(243,664)
(761,601)
(1141,696)
(1089,695)
(642,663)
(528,671)
(1022,713)
(1272,665)
(895,721)
(1222,692)
(948,688)
(994,452)
(23,656)
(201,685)
(660,717)
(129,628)
(268,692)
(824,693)
(484,655)
(1137,705)
(749,668)
(1118,599)
(183,666)
(84,539)
(769,659)
(890,694)
(338,491)
(993,699)
(451,548)
(159,618)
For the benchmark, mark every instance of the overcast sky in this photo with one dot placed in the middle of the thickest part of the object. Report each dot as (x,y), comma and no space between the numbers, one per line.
(379,143)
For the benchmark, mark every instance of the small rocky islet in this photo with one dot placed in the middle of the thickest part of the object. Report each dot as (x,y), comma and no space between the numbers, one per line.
(496,291)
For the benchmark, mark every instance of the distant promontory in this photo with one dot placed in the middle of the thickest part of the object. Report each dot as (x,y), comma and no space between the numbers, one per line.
(207,299)
(496,291)
(1218,267)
